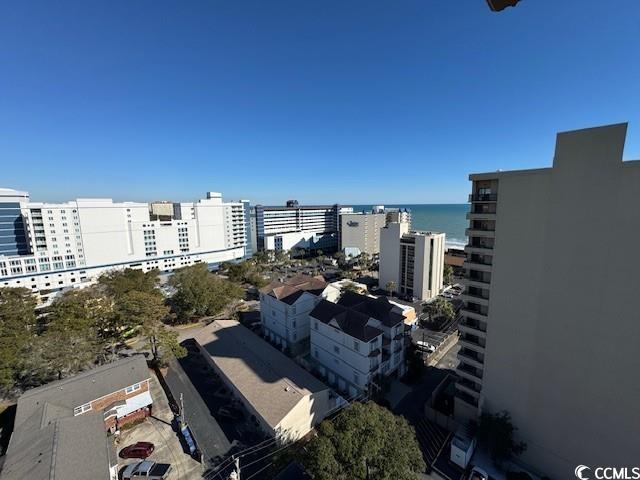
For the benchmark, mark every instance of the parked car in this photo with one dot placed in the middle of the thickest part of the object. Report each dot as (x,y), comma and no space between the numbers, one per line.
(477,473)
(231,413)
(146,469)
(425,346)
(137,450)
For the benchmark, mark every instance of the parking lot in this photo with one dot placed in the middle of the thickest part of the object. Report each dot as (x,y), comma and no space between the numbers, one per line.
(158,430)
(239,428)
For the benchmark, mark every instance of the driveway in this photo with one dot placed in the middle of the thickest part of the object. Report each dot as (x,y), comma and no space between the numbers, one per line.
(210,438)
(158,430)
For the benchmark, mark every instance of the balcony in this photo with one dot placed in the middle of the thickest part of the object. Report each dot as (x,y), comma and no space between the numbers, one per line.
(466,398)
(483,197)
(469,387)
(481,216)
(472,342)
(479,267)
(470,312)
(471,357)
(479,248)
(472,373)
(476,299)
(475,232)
(473,327)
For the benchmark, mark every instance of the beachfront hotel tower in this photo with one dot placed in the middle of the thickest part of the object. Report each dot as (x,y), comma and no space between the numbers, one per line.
(52,246)
(550,328)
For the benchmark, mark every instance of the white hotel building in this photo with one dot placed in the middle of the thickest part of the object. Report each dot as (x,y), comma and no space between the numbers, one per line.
(72,243)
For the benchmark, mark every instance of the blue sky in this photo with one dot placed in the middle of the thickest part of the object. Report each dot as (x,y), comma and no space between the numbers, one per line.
(324,101)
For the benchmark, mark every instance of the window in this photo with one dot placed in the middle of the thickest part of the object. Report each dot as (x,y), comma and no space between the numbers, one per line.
(356,378)
(315,352)
(336,349)
(132,388)
(315,325)
(81,409)
(356,345)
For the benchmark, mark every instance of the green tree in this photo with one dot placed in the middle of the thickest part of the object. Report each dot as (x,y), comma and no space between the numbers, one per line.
(448,274)
(364,260)
(200,293)
(17,321)
(391,287)
(496,433)
(351,287)
(439,307)
(119,282)
(147,311)
(365,442)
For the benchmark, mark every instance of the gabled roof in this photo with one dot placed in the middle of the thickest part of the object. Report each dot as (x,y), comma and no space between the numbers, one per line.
(350,321)
(266,378)
(50,443)
(291,289)
(379,308)
(84,387)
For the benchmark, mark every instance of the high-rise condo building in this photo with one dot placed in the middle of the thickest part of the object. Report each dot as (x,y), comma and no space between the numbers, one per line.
(311,227)
(412,260)
(360,232)
(550,329)
(55,245)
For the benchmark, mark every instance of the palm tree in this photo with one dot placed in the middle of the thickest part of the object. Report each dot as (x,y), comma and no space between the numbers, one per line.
(391,287)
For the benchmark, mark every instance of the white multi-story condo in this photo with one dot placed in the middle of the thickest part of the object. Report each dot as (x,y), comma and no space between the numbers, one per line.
(357,340)
(550,329)
(310,227)
(71,243)
(397,215)
(413,260)
(360,232)
(284,311)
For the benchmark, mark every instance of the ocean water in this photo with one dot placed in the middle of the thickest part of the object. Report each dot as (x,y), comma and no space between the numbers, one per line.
(450,219)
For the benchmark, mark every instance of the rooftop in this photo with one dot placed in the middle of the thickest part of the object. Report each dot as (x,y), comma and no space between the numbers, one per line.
(352,313)
(270,381)
(290,290)
(50,443)
(84,387)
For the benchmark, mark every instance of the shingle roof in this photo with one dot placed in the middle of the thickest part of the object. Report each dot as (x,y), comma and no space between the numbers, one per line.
(379,308)
(50,443)
(353,311)
(270,381)
(291,289)
(350,321)
(84,387)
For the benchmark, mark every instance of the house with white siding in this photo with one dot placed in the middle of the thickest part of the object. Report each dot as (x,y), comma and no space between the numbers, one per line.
(357,341)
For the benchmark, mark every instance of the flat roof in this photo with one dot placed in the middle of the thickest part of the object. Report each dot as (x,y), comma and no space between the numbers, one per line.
(271,382)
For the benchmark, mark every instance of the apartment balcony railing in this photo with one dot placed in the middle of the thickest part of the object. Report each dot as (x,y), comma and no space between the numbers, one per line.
(471,356)
(472,340)
(471,385)
(474,324)
(469,370)
(476,294)
(483,197)
(467,398)
(480,260)
(478,245)
(479,279)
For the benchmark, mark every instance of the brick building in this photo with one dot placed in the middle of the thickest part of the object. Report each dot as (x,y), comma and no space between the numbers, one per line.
(60,428)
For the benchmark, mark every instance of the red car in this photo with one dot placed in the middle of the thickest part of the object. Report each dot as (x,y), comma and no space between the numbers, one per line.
(137,450)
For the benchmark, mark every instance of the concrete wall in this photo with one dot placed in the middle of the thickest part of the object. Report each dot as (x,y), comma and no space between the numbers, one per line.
(563,329)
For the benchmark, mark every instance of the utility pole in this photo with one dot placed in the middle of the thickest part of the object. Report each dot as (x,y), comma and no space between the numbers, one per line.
(235,475)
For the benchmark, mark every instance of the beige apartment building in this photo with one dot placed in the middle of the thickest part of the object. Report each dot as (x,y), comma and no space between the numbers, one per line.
(550,329)
(360,232)
(413,260)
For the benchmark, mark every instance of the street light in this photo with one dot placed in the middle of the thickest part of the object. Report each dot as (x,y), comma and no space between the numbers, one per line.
(499,5)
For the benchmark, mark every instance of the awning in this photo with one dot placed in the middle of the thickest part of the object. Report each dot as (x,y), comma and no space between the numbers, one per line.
(134,403)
